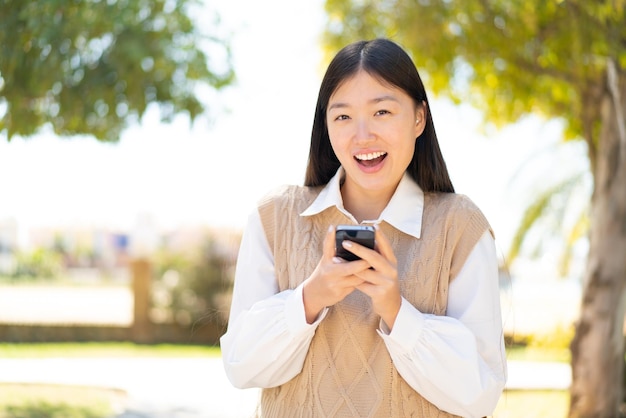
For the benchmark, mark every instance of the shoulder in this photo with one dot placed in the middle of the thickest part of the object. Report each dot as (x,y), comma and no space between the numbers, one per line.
(451,202)
(277,208)
(288,196)
(459,209)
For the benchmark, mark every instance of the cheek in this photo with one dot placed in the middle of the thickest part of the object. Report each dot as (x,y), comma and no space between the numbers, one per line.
(337,138)
(407,144)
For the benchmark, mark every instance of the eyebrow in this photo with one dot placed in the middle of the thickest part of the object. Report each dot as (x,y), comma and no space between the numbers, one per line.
(375,100)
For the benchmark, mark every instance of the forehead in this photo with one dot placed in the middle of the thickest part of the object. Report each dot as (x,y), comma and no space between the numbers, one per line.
(364,86)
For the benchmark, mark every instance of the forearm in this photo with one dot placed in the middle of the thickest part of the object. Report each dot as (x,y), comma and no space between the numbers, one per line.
(457,361)
(439,357)
(266,345)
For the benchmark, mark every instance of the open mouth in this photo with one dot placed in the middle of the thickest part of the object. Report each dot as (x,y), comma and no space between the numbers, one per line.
(370,159)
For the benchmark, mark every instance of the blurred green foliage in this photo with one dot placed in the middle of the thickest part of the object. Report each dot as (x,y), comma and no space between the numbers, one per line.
(39,264)
(91,67)
(507,58)
(194,287)
(559,338)
(192,283)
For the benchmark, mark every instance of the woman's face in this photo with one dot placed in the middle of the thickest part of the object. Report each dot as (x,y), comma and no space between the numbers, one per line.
(372,128)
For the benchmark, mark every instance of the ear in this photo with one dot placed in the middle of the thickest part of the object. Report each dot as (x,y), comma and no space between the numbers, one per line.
(420,118)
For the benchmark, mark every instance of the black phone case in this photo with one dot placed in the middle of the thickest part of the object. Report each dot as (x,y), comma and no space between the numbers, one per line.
(361,236)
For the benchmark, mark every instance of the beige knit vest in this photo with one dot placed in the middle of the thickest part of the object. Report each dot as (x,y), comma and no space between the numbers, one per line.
(348,371)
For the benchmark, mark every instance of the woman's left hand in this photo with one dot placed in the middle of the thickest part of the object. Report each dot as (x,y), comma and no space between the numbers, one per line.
(380,282)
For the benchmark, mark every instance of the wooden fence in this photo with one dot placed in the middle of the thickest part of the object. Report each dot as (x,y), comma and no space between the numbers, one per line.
(142,330)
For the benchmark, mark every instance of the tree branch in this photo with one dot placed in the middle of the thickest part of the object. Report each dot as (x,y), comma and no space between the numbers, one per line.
(536,69)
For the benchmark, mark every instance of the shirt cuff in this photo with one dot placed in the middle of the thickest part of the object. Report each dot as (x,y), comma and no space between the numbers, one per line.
(295,315)
(407,328)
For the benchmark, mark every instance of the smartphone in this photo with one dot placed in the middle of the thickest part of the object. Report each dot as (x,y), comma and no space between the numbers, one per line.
(361,234)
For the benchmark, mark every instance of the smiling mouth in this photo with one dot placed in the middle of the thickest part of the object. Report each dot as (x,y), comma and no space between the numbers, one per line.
(370,159)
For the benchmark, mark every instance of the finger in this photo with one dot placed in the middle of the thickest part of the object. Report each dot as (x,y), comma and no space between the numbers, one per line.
(374,259)
(329,243)
(369,276)
(383,246)
(359,250)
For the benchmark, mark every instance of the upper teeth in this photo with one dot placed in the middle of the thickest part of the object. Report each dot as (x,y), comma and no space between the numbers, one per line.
(369,156)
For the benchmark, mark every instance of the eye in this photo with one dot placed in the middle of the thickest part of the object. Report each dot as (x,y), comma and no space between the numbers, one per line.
(382,112)
(342,117)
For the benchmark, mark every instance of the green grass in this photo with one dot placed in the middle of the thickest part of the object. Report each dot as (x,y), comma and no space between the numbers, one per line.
(58,401)
(524,353)
(113,349)
(54,401)
(128,349)
(61,401)
(533,404)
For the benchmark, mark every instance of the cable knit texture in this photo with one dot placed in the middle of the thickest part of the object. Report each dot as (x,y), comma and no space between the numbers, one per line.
(348,371)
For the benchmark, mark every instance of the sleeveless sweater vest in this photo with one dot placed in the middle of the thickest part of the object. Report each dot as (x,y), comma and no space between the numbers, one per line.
(348,371)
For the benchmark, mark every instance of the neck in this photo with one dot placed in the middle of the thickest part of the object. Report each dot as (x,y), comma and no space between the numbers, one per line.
(365,205)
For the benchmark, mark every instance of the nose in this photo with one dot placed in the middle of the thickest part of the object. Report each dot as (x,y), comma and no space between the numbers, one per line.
(363,131)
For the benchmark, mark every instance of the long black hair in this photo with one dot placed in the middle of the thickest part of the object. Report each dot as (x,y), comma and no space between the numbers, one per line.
(387,61)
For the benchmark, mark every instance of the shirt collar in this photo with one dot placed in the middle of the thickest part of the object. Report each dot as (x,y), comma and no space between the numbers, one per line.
(404,210)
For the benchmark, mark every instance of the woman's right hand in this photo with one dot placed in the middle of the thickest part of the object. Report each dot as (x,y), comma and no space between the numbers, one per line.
(332,280)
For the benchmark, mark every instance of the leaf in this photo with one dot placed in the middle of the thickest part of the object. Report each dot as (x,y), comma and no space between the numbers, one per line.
(93,67)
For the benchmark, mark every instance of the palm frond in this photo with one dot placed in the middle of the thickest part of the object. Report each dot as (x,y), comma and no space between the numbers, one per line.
(551,204)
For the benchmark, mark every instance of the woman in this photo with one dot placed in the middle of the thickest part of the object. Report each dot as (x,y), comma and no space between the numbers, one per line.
(413,327)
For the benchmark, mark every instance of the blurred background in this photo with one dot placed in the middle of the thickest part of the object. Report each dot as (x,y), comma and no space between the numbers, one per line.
(136,137)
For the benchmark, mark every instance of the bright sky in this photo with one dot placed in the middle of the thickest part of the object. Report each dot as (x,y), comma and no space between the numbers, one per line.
(214,174)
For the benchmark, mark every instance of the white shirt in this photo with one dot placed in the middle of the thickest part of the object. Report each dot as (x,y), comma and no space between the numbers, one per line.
(456,361)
